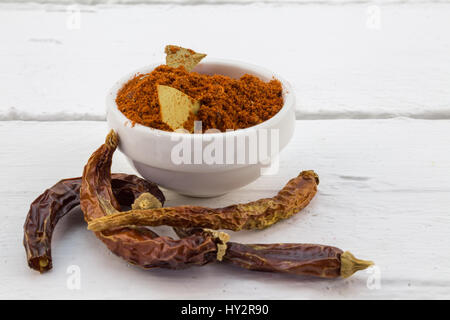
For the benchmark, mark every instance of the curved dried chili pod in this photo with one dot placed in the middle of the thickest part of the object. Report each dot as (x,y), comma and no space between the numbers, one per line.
(294,258)
(259,214)
(60,199)
(301,259)
(97,200)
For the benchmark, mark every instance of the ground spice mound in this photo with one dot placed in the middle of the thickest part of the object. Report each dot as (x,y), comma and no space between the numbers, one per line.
(226,103)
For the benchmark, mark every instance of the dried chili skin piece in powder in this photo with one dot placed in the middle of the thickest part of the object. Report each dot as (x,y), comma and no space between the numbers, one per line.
(178,56)
(60,199)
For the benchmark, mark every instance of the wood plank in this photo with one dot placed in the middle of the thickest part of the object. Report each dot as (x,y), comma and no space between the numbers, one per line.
(197,2)
(341,64)
(383,195)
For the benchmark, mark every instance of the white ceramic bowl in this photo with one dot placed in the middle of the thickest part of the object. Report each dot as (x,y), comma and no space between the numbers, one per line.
(155,154)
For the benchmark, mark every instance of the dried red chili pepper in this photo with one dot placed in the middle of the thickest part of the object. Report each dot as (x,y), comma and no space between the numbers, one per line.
(302,259)
(60,199)
(146,252)
(294,258)
(259,214)
(200,246)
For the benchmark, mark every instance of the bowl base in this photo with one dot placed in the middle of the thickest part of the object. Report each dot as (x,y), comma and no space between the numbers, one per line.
(199,184)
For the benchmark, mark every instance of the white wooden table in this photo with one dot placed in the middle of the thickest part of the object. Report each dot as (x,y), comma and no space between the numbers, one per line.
(373,122)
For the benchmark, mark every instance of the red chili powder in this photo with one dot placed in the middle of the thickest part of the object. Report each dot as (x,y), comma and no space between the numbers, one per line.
(226,103)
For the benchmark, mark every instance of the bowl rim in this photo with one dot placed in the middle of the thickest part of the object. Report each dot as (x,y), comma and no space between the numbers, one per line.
(288,100)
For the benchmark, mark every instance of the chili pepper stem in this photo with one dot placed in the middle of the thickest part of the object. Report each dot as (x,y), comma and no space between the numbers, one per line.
(43,263)
(223,238)
(146,201)
(350,264)
(112,139)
